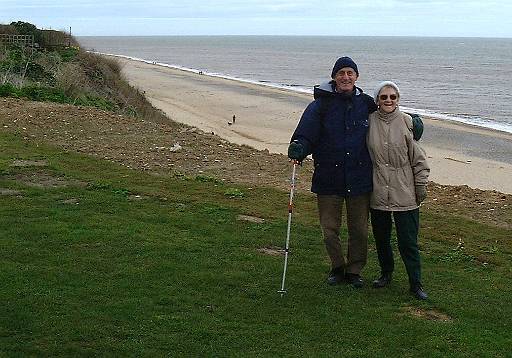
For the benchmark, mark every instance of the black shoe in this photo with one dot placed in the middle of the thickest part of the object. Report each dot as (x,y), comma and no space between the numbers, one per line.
(354,279)
(336,276)
(383,280)
(418,292)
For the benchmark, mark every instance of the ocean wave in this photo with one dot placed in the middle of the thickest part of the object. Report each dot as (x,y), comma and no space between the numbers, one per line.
(467,119)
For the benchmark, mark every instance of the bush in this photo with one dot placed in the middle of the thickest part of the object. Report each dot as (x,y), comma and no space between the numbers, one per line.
(42,94)
(34,93)
(98,102)
(8,90)
(67,74)
(19,65)
(26,28)
(72,80)
(68,54)
(36,72)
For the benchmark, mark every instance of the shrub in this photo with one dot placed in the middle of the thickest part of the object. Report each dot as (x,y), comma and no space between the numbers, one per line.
(98,102)
(50,94)
(68,54)
(72,80)
(67,74)
(26,28)
(19,65)
(8,90)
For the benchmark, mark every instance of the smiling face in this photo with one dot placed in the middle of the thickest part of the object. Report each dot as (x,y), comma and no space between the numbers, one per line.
(388,99)
(345,79)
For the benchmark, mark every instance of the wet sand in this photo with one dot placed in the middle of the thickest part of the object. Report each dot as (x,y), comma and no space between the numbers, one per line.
(266,117)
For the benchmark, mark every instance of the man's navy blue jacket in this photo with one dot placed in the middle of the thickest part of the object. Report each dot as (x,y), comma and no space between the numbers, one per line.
(333,128)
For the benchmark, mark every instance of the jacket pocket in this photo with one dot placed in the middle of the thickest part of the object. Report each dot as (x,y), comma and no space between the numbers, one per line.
(405,193)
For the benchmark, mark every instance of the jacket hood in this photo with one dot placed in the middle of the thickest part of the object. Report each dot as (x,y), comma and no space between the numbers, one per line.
(327,89)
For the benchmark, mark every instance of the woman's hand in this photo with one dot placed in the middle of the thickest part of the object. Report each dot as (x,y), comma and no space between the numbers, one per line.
(421,193)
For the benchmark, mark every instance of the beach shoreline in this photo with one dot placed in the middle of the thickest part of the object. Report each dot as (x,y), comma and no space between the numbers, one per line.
(265,117)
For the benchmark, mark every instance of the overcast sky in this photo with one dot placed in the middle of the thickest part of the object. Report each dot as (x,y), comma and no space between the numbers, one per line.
(468,18)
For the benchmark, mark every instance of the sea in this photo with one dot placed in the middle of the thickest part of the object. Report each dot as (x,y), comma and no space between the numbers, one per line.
(466,80)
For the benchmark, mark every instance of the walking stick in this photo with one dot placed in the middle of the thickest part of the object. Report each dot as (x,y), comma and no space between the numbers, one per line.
(282,291)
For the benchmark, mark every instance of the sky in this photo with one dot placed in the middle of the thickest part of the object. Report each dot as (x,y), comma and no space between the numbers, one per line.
(448,18)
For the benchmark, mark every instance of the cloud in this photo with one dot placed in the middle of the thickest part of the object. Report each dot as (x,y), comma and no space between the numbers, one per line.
(226,8)
(365,17)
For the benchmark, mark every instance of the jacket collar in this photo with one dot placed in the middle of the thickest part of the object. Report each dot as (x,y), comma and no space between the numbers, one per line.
(388,117)
(328,89)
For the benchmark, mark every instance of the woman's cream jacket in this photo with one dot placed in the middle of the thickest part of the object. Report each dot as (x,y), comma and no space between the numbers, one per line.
(399,163)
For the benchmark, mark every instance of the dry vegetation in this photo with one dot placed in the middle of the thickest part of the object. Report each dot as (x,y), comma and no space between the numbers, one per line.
(59,71)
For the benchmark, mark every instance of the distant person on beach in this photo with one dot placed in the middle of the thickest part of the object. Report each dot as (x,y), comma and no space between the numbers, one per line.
(333,128)
(400,176)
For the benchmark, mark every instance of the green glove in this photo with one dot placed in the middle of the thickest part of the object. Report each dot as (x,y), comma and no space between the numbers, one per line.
(296,151)
(421,193)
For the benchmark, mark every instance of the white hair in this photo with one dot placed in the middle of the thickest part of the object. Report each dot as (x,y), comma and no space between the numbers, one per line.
(381,86)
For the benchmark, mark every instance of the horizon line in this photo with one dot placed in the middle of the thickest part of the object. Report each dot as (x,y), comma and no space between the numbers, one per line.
(291,35)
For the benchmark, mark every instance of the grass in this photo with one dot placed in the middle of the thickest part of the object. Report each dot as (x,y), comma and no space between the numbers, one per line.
(57,95)
(124,263)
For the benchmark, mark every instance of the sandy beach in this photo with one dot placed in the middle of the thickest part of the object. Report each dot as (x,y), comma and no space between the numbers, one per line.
(266,117)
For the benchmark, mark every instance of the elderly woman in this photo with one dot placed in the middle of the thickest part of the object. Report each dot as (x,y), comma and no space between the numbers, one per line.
(400,176)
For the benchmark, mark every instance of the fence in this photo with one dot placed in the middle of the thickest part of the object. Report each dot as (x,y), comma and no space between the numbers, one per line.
(24,40)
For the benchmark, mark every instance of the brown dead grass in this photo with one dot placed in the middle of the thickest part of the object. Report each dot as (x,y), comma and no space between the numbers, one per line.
(9,192)
(427,314)
(252,219)
(271,251)
(29,163)
(43,180)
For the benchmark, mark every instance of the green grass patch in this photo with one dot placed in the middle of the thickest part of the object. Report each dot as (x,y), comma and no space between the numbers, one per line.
(68,54)
(87,270)
(53,94)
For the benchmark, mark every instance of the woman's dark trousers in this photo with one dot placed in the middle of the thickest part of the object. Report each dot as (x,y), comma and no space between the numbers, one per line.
(406,225)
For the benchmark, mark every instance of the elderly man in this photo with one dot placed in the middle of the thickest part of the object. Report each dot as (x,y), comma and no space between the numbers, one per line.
(333,128)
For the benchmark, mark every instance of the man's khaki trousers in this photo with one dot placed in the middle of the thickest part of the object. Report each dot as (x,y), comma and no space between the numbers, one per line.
(330,210)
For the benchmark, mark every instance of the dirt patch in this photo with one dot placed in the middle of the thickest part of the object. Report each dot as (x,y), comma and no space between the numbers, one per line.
(428,314)
(252,219)
(46,180)
(272,251)
(136,197)
(9,192)
(29,163)
(71,201)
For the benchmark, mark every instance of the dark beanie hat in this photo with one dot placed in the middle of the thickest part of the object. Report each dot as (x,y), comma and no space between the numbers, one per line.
(344,62)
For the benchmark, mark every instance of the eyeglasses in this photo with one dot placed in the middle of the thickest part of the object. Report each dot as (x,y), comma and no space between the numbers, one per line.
(384,97)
